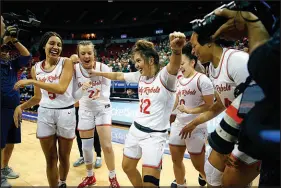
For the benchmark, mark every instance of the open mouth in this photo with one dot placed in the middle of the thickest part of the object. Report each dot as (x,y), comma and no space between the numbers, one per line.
(140,71)
(54,52)
(87,61)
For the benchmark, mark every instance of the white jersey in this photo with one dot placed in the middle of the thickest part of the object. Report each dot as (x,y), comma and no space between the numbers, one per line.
(155,100)
(49,99)
(231,71)
(190,92)
(98,83)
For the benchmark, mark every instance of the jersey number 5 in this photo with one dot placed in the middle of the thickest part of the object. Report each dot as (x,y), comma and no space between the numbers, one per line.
(146,103)
(52,96)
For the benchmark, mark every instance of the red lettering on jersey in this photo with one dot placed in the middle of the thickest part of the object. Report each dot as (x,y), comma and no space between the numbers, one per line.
(94,83)
(149,90)
(221,88)
(189,92)
(49,78)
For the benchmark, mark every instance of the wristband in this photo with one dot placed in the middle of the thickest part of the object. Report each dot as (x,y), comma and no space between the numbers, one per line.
(15,41)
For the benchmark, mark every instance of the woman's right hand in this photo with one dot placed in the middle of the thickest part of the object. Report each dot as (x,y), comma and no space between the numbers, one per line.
(18,116)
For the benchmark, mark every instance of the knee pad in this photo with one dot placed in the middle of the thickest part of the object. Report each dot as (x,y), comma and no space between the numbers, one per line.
(213,175)
(87,148)
(151,179)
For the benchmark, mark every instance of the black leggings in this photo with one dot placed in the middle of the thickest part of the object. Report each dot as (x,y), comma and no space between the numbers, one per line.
(97,145)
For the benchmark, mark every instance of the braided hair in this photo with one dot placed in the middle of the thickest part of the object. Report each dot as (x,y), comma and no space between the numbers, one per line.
(44,41)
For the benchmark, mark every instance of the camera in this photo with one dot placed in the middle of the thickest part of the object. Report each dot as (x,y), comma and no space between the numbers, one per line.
(23,24)
(207,26)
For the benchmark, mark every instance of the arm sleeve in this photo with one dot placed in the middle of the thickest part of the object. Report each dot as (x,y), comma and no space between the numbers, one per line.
(168,80)
(132,77)
(237,67)
(205,85)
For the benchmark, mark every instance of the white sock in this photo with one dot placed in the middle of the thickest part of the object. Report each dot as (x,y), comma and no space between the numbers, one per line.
(61,182)
(112,174)
(183,185)
(90,173)
(98,157)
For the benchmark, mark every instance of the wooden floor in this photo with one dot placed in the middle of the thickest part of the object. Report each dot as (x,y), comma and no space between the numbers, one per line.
(29,161)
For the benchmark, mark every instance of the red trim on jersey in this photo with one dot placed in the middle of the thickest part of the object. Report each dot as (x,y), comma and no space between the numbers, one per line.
(150,166)
(227,66)
(94,67)
(215,77)
(189,80)
(198,83)
(43,64)
(173,91)
(141,80)
(62,67)
(179,76)
(74,68)
(232,112)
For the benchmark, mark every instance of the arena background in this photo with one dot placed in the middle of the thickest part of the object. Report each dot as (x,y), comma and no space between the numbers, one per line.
(113,27)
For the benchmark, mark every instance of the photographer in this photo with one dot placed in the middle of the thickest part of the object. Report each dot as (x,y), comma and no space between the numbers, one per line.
(256,138)
(10,99)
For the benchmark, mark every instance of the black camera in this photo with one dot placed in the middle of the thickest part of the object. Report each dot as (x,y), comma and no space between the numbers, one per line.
(207,26)
(23,24)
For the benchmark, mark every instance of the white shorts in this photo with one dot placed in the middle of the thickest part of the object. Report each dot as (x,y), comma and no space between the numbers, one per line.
(243,157)
(149,146)
(89,119)
(61,122)
(195,144)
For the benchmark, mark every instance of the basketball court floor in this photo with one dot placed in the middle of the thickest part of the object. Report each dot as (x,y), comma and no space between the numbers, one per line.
(29,161)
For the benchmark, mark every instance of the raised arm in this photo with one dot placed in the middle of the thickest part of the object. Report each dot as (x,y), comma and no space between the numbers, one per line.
(31,102)
(177,41)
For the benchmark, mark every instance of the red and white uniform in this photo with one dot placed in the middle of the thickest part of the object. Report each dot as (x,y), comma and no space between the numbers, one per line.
(93,112)
(157,97)
(190,92)
(231,71)
(56,114)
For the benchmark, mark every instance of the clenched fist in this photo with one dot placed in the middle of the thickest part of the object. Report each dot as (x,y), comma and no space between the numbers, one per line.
(177,40)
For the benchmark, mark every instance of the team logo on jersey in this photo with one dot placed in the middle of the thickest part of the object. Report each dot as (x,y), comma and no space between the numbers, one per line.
(94,83)
(50,79)
(186,92)
(221,88)
(149,90)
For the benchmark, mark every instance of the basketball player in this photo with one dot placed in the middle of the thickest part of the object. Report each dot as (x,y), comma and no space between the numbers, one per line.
(195,94)
(148,133)
(80,160)
(94,110)
(228,69)
(52,80)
